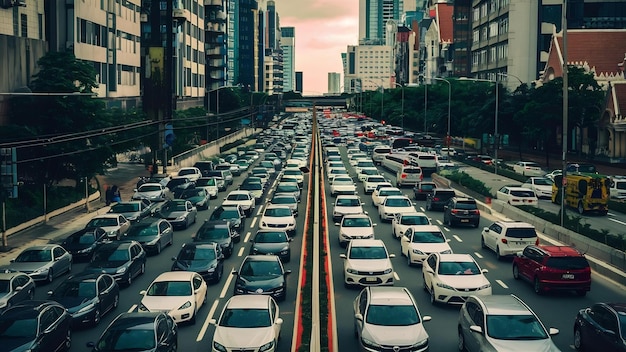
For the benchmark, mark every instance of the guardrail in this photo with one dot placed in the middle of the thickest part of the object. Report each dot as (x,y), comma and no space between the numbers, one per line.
(212,148)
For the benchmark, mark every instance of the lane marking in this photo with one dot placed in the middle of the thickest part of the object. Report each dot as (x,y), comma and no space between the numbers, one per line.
(478,255)
(205,326)
(457,238)
(259,211)
(609,213)
(240,253)
(502,284)
(447,229)
(422,209)
(617,221)
(132,308)
(227,283)
(245,240)
(395,276)
(253,223)
(439,222)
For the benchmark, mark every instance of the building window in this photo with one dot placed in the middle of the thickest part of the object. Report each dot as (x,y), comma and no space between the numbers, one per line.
(24,25)
(40,26)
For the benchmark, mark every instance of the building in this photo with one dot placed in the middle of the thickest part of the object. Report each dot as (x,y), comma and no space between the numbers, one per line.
(215,43)
(273,73)
(368,67)
(299,81)
(288,46)
(334,83)
(242,43)
(373,18)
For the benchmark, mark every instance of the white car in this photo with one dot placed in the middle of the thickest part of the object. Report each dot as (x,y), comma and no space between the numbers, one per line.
(210,186)
(366,172)
(363,163)
(114,224)
(506,238)
(180,293)
(342,184)
(403,221)
(247,323)
(517,195)
(355,158)
(243,198)
(380,194)
(347,204)
(451,278)
(417,244)
(278,217)
(192,173)
(299,162)
(370,183)
(295,173)
(528,168)
(154,192)
(337,172)
(542,186)
(367,263)
(395,205)
(355,226)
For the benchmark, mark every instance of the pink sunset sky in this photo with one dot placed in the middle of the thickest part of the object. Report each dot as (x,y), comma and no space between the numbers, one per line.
(323,30)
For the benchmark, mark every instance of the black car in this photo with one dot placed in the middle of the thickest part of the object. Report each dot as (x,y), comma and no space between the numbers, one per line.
(262,274)
(272,242)
(87,297)
(197,196)
(234,214)
(178,184)
(153,234)
(83,243)
(205,166)
(204,258)
(601,328)
(219,232)
(123,260)
(36,326)
(139,331)
(423,189)
(461,211)
(133,210)
(439,198)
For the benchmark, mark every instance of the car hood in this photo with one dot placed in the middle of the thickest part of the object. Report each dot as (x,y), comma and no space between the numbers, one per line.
(357,231)
(526,345)
(195,265)
(344,187)
(278,220)
(431,247)
(270,247)
(236,202)
(141,239)
(72,247)
(147,194)
(16,344)
(464,281)
(395,335)
(231,337)
(102,266)
(160,303)
(73,304)
(27,266)
(264,283)
(348,210)
(369,264)
(397,210)
(172,214)
(131,215)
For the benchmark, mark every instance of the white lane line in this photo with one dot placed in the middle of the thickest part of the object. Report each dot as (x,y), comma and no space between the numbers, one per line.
(611,214)
(395,276)
(205,326)
(259,211)
(422,209)
(240,253)
(478,255)
(132,308)
(447,229)
(617,221)
(502,284)
(457,238)
(439,222)
(227,283)
(253,223)
(245,240)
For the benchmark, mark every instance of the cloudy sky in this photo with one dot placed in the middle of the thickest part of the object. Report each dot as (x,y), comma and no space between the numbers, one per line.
(323,30)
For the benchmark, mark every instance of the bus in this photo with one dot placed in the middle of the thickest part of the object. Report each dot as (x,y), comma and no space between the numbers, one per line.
(587,192)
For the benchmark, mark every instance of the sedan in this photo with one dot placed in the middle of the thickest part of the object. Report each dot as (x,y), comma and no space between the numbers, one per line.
(296,173)
(370,183)
(262,275)
(15,288)
(123,260)
(387,319)
(288,187)
(219,232)
(153,234)
(417,244)
(255,317)
(286,199)
(133,210)
(244,199)
(197,196)
(347,205)
(205,259)
(528,168)
(379,195)
(600,328)
(87,297)
(355,226)
(139,331)
(542,186)
(278,217)
(401,222)
(272,242)
(451,278)
(154,192)
(209,184)
(342,185)
(178,212)
(114,224)
(367,263)
(42,263)
(256,189)
(180,293)
(83,243)
(517,195)
(394,205)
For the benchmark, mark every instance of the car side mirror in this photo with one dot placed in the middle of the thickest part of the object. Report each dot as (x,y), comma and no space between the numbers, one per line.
(234,272)
(484,271)
(342,256)
(358,317)
(90,344)
(50,293)
(520,254)
(476,329)
(555,331)
(427,318)
(287,272)
(212,321)
(279,321)
(174,259)
(392,255)
(142,292)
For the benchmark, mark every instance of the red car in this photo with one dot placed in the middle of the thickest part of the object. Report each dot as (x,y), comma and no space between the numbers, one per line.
(552,268)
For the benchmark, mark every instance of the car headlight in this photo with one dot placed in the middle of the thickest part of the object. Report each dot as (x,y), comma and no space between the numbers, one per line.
(447,251)
(121,270)
(142,308)
(112,232)
(484,287)
(417,251)
(352,271)
(254,251)
(3,304)
(182,217)
(153,242)
(388,271)
(442,285)
(86,308)
(218,346)
(420,344)
(41,270)
(370,344)
(267,346)
(186,305)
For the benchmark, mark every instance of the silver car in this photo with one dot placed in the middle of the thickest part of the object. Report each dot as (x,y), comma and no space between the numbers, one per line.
(15,288)
(502,323)
(42,263)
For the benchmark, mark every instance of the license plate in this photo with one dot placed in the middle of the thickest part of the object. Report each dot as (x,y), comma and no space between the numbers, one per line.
(464,220)
(371,279)
(520,243)
(568,276)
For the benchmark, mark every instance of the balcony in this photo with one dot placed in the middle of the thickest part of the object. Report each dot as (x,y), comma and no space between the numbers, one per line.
(213,2)
(181,15)
(211,50)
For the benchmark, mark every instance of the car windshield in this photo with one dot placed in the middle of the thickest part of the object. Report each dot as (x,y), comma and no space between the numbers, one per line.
(260,268)
(111,255)
(458,268)
(20,328)
(34,255)
(245,318)
(390,192)
(170,288)
(342,181)
(392,315)
(278,212)
(86,238)
(515,327)
(237,196)
(125,207)
(102,222)
(543,182)
(375,179)
(196,253)
(362,252)
(284,200)
(414,220)
(4,286)
(84,289)
(428,237)
(369,171)
(465,205)
(397,202)
(143,230)
(251,187)
(567,263)
(270,237)
(213,233)
(127,339)
(184,172)
(190,193)
(293,172)
(348,202)
(356,222)
(523,194)
(521,232)
(174,206)
(205,182)
(149,188)
(225,214)
(287,188)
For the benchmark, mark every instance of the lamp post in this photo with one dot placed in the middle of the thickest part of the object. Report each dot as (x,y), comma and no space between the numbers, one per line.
(217,111)
(402,106)
(448,136)
(382,99)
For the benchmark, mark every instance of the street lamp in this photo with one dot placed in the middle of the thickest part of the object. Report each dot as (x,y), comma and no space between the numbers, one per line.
(382,99)
(448,137)
(217,111)
(402,106)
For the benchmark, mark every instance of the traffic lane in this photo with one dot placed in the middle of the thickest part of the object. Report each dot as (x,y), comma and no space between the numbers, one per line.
(614,222)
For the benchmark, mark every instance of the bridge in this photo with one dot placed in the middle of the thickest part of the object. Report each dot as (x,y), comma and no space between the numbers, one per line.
(319,101)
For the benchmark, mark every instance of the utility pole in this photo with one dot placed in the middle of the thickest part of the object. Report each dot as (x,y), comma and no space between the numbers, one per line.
(565,112)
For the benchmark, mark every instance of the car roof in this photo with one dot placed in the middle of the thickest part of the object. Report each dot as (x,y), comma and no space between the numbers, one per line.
(84,276)
(27,309)
(9,275)
(360,242)
(413,213)
(128,320)
(561,251)
(389,295)
(516,188)
(503,305)
(106,215)
(456,257)
(510,224)
(273,206)
(347,196)
(175,276)
(42,247)
(262,258)
(248,301)
(429,228)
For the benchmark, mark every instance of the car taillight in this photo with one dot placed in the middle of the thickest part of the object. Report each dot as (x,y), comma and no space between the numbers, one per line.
(454,211)
(421,177)
(436,198)
(476,211)
(537,241)
(403,176)
(503,240)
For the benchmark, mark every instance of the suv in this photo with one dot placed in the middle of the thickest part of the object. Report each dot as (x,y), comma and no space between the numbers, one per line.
(205,166)
(226,175)
(553,268)
(423,189)
(439,198)
(507,238)
(460,210)
(409,175)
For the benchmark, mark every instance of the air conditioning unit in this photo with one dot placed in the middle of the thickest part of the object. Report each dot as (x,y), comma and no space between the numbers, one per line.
(20,3)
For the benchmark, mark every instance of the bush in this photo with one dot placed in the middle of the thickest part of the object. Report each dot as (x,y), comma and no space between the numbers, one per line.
(468,181)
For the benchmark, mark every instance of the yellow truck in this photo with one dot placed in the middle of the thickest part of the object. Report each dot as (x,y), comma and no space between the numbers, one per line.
(586,192)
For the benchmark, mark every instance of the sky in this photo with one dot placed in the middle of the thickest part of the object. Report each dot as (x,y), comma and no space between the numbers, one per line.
(323,30)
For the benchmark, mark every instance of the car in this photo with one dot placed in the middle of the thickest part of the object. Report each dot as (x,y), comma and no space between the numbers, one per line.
(370,183)
(87,297)
(15,287)
(254,316)
(139,331)
(124,260)
(439,198)
(528,168)
(82,243)
(36,326)
(394,205)
(192,173)
(288,187)
(114,224)
(618,187)
(347,204)
(286,199)
(423,189)
(296,173)
(278,217)
(243,164)
(197,196)
(403,221)
(162,179)
(461,211)
(244,199)
(220,182)
(179,293)
(234,214)
(363,163)
(355,226)
(553,268)
(268,165)
(225,175)
(387,319)
(517,196)
(418,243)
(380,194)
(154,192)
(341,184)
(205,166)
(542,186)
(485,159)
(133,210)
(256,189)
(42,263)
(232,169)
(261,275)
(451,278)
(552,174)
(179,213)
(501,322)
(272,242)
(219,232)
(178,184)
(409,175)
(262,173)
(153,234)
(506,238)
(600,328)
(367,263)
(205,259)
(366,172)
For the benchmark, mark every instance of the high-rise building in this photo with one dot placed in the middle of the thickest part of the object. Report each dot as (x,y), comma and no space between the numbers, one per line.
(334,82)
(373,18)
(215,43)
(299,82)
(288,46)
(273,73)
(242,43)
(368,67)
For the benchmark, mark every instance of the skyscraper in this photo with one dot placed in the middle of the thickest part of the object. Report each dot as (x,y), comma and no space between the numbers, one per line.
(373,17)
(288,46)
(334,82)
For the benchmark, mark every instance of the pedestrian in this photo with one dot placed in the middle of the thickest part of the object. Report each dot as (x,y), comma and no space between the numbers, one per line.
(115,194)
(108,195)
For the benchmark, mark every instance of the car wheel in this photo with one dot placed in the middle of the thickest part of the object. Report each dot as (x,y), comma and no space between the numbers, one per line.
(537,286)
(68,340)
(498,256)
(408,259)
(581,293)
(578,340)
(174,347)
(158,247)
(581,209)
(142,270)
(96,317)
(50,276)
(476,224)
(515,272)
(193,318)
(31,295)
(424,283)
(69,268)
(461,341)
(482,242)
(171,242)
(129,280)
(432,296)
